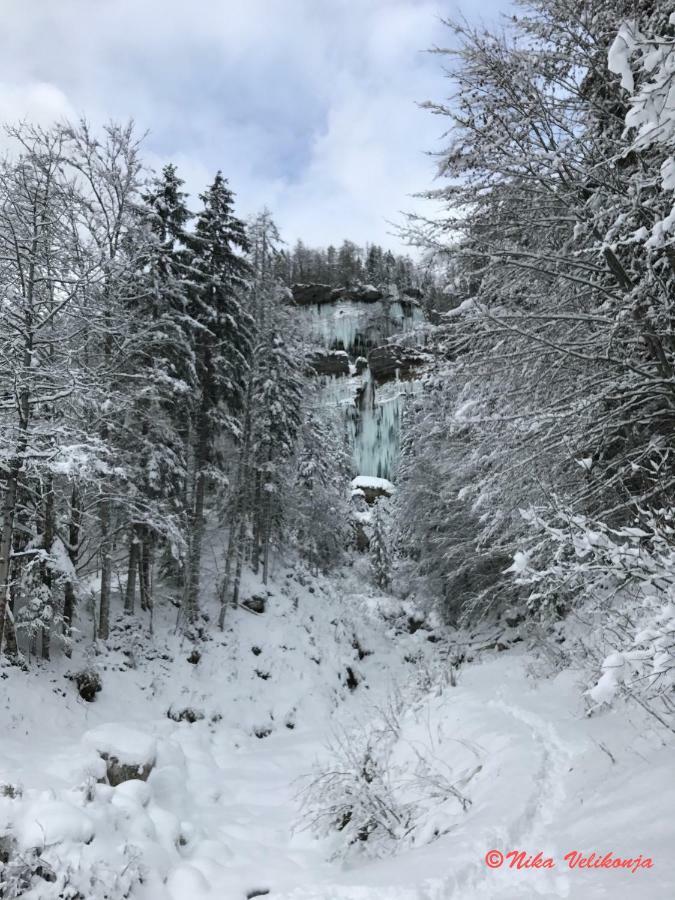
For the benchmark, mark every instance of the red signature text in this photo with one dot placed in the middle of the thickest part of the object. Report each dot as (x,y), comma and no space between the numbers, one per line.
(575,859)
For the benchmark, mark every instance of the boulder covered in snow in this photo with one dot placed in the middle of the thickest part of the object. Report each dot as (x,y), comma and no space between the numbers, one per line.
(391,361)
(88,683)
(330,362)
(127,753)
(257,603)
(49,821)
(372,488)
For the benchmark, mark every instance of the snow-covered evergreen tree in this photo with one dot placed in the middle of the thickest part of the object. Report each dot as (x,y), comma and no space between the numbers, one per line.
(224,343)
(163,381)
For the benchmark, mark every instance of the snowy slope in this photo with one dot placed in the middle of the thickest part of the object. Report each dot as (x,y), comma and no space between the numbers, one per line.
(221,814)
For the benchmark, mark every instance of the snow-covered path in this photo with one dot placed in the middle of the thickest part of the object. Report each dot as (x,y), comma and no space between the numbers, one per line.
(548,785)
(220,815)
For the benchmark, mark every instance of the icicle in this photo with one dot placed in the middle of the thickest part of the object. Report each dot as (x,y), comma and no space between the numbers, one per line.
(354,326)
(376,427)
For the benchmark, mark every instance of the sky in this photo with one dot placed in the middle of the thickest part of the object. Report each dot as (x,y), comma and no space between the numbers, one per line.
(309,107)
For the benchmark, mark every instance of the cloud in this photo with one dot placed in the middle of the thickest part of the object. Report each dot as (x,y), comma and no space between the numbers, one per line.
(37,102)
(308,107)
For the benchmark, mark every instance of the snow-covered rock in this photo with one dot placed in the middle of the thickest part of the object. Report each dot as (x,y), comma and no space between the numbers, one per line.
(372,488)
(50,821)
(127,753)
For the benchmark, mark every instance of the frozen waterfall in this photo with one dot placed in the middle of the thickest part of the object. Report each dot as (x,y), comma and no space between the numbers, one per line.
(374,426)
(372,413)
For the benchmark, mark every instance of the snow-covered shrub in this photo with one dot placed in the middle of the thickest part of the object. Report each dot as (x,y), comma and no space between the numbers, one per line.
(36,614)
(644,666)
(385,787)
(187,714)
(56,873)
(625,577)
(21,872)
(353,796)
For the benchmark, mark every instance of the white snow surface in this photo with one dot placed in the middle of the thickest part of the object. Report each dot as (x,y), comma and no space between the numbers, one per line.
(127,745)
(362,482)
(221,813)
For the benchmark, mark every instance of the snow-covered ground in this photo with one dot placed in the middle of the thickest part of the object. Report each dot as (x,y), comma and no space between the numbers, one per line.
(221,814)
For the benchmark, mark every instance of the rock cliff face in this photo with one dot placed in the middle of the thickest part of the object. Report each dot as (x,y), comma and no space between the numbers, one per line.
(391,361)
(311,294)
(353,319)
(331,362)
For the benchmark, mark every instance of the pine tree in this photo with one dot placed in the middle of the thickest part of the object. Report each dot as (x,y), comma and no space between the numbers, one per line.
(349,266)
(373,268)
(224,343)
(271,416)
(162,371)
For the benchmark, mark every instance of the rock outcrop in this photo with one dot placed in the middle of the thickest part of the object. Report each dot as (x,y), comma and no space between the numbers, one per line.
(391,361)
(312,294)
(329,362)
(317,294)
(257,603)
(362,293)
(361,364)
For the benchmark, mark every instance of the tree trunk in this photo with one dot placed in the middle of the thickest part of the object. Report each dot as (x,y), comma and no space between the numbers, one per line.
(145,571)
(224,589)
(257,530)
(11,646)
(73,552)
(6,534)
(46,572)
(132,568)
(240,563)
(106,570)
(236,538)
(197,523)
(267,526)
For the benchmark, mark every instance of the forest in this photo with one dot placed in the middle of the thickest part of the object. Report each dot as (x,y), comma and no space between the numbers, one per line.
(374,532)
